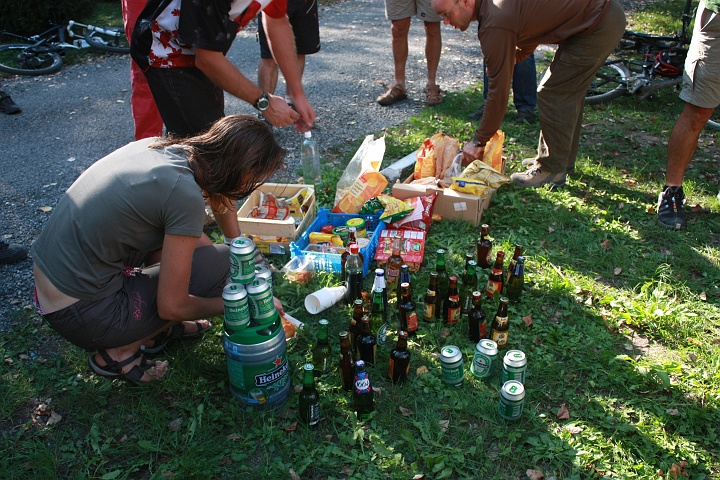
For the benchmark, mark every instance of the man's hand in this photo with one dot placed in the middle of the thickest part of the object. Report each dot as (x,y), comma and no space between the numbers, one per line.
(279,113)
(471,153)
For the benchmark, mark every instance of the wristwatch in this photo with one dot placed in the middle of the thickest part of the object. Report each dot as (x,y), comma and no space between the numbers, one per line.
(263,102)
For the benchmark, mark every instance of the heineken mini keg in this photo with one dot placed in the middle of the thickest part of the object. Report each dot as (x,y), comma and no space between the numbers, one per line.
(514,367)
(451,362)
(512,398)
(483,361)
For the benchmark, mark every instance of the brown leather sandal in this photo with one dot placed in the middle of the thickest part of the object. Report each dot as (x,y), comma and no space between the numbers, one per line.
(394,94)
(433,94)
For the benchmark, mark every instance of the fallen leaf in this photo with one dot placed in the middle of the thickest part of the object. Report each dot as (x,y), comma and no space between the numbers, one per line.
(537,341)
(528,320)
(563,412)
(54,418)
(405,412)
(175,424)
(672,411)
(605,244)
(617,270)
(445,332)
(573,429)
(535,474)
(444,424)
(346,471)
(45,209)
(422,370)
(694,340)
(293,475)
(233,436)
(551,230)
(676,470)
(703,296)
(290,428)
(697,208)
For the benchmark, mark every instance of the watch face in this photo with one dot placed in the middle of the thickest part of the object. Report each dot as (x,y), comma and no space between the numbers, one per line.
(263,103)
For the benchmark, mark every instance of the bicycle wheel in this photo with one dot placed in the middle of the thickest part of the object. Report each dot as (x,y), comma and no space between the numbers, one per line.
(714,122)
(111,39)
(28,60)
(610,83)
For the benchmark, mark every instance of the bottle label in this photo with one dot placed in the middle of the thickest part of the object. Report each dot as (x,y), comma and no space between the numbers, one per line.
(362,383)
(382,334)
(500,338)
(493,286)
(412,321)
(392,276)
(391,367)
(313,414)
(429,311)
(453,315)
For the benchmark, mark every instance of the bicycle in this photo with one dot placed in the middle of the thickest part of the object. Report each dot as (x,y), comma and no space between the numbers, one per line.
(661,66)
(43,53)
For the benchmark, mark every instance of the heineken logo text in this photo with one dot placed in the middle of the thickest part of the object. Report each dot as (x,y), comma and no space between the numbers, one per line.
(265,379)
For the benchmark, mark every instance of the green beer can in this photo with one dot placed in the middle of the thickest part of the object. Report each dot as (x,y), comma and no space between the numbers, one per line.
(264,272)
(514,367)
(486,352)
(242,260)
(451,362)
(237,311)
(512,398)
(262,308)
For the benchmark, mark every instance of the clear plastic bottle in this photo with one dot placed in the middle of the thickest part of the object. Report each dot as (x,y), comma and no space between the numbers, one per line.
(310,157)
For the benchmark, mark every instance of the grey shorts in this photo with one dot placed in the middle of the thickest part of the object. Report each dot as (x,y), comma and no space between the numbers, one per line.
(130,314)
(701,77)
(422,9)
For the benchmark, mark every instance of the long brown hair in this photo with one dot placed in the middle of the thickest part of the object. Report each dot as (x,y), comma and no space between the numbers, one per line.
(231,159)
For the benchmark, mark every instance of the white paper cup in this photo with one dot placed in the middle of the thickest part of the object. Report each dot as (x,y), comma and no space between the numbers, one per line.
(324,298)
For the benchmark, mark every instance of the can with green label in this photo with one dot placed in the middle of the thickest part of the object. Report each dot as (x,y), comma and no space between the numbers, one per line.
(262,308)
(451,362)
(242,260)
(237,311)
(512,399)
(264,272)
(514,367)
(486,352)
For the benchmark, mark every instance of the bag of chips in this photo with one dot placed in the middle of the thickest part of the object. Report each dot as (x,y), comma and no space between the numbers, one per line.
(395,209)
(421,217)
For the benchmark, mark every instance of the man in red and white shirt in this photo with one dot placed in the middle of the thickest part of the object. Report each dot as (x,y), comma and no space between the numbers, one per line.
(189,70)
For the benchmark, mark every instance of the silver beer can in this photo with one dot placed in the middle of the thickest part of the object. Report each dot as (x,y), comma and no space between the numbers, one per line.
(486,352)
(242,260)
(451,362)
(237,310)
(262,308)
(512,399)
(264,272)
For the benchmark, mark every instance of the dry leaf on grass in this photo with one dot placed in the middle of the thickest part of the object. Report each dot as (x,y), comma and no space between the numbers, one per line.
(233,436)
(672,411)
(175,424)
(617,270)
(534,474)
(605,244)
(527,319)
(676,470)
(290,428)
(405,412)
(573,429)
(444,424)
(563,412)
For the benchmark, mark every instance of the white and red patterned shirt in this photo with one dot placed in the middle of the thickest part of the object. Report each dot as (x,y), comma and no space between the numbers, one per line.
(207,24)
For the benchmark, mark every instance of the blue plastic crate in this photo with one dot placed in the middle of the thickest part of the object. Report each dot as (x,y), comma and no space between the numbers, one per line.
(332,262)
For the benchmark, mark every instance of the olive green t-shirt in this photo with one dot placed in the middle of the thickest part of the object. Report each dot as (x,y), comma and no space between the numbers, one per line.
(117,211)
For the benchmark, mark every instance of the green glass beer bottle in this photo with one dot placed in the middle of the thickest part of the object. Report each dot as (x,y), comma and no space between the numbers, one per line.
(309,410)
(321,351)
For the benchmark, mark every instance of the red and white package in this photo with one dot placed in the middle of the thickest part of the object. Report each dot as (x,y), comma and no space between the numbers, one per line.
(421,217)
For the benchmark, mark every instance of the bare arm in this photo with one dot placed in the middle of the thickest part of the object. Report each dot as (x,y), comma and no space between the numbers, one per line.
(282,45)
(227,221)
(225,75)
(173,300)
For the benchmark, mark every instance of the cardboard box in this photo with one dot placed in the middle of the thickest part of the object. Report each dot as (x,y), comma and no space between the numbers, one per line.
(412,250)
(274,236)
(449,203)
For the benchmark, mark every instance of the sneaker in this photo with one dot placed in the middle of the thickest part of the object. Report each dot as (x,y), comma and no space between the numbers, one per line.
(7,105)
(394,94)
(535,177)
(477,114)
(669,209)
(525,116)
(528,162)
(11,253)
(433,95)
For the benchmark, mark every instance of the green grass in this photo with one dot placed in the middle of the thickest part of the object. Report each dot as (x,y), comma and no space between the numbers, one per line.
(625,333)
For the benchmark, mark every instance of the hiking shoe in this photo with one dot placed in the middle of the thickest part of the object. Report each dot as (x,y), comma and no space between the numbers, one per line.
(525,116)
(528,162)
(433,95)
(7,105)
(11,253)
(477,114)
(394,94)
(669,209)
(535,177)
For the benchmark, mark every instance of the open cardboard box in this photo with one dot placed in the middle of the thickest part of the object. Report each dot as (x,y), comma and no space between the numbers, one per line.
(274,236)
(449,203)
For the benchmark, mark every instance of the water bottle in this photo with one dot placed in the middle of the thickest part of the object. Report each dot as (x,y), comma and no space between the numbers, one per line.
(310,160)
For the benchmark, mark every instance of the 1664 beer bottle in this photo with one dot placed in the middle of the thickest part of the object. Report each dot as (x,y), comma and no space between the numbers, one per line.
(309,410)
(399,364)
(362,391)
(500,325)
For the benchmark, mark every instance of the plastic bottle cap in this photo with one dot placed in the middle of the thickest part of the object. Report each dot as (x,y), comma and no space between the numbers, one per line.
(307,134)
(354,248)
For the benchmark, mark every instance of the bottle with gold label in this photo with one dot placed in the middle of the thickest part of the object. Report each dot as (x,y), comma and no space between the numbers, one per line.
(500,327)
(430,299)
(451,305)
(496,278)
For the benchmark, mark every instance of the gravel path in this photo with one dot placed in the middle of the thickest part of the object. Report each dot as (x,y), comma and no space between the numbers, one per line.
(72,118)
